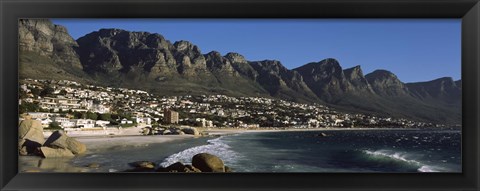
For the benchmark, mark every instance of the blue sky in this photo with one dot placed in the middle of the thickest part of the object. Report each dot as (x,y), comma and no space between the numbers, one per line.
(415,50)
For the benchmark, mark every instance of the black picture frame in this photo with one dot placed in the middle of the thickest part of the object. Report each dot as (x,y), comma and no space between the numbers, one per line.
(467,10)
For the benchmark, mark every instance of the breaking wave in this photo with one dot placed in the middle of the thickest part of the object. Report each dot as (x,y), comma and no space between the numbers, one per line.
(403,158)
(215,146)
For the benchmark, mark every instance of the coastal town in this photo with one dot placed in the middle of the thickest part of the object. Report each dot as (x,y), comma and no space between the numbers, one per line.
(63,104)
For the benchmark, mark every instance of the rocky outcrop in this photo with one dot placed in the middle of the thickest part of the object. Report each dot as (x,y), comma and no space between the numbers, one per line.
(241,65)
(191,63)
(47,39)
(325,78)
(30,136)
(358,84)
(49,152)
(112,51)
(385,83)
(32,142)
(179,167)
(282,82)
(191,131)
(202,162)
(59,139)
(143,164)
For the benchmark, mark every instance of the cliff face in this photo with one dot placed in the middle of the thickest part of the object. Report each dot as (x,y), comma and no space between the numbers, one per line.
(439,90)
(148,61)
(385,83)
(47,51)
(281,82)
(358,82)
(47,39)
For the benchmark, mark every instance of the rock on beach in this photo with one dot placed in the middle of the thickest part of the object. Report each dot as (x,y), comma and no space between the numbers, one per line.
(208,163)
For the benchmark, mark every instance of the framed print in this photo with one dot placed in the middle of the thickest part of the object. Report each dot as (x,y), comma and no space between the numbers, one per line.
(273,95)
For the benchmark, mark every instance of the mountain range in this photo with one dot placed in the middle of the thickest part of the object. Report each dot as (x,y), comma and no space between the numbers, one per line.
(148,61)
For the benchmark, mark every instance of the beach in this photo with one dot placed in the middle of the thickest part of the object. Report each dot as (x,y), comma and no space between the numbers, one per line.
(97,143)
(111,140)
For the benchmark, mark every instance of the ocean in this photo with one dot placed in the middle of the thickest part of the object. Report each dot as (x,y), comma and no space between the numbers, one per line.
(396,151)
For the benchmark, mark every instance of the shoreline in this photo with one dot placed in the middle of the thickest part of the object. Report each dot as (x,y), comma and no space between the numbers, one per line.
(101,144)
(95,145)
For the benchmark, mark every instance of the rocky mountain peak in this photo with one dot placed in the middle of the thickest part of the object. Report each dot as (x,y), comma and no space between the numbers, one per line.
(108,32)
(186,46)
(458,83)
(353,72)
(235,57)
(147,60)
(385,82)
(274,66)
(46,39)
(381,74)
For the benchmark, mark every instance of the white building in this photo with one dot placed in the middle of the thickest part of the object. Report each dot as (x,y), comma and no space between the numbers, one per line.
(64,122)
(102,123)
(84,123)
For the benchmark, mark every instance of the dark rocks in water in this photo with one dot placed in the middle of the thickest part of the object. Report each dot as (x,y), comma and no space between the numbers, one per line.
(208,163)
(93,165)
(321,135)
(61,140)
(143,164)
(179,167)
(190,168)
(228,169)
(205,161)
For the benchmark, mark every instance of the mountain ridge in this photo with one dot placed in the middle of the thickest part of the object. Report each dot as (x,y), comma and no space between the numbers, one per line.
(117,57)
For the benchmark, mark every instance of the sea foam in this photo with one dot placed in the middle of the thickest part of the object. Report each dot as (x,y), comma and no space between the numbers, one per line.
(399,156)
(215,146)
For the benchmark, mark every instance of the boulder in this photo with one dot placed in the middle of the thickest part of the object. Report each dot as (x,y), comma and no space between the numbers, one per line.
(166,132)
(30,136)
(191,131)
(22,149)
(48,152)
(61,140)
(143,164)
(179,167)
(93,165)
(146,131)
(228,169)
(190,168)
(208,163)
